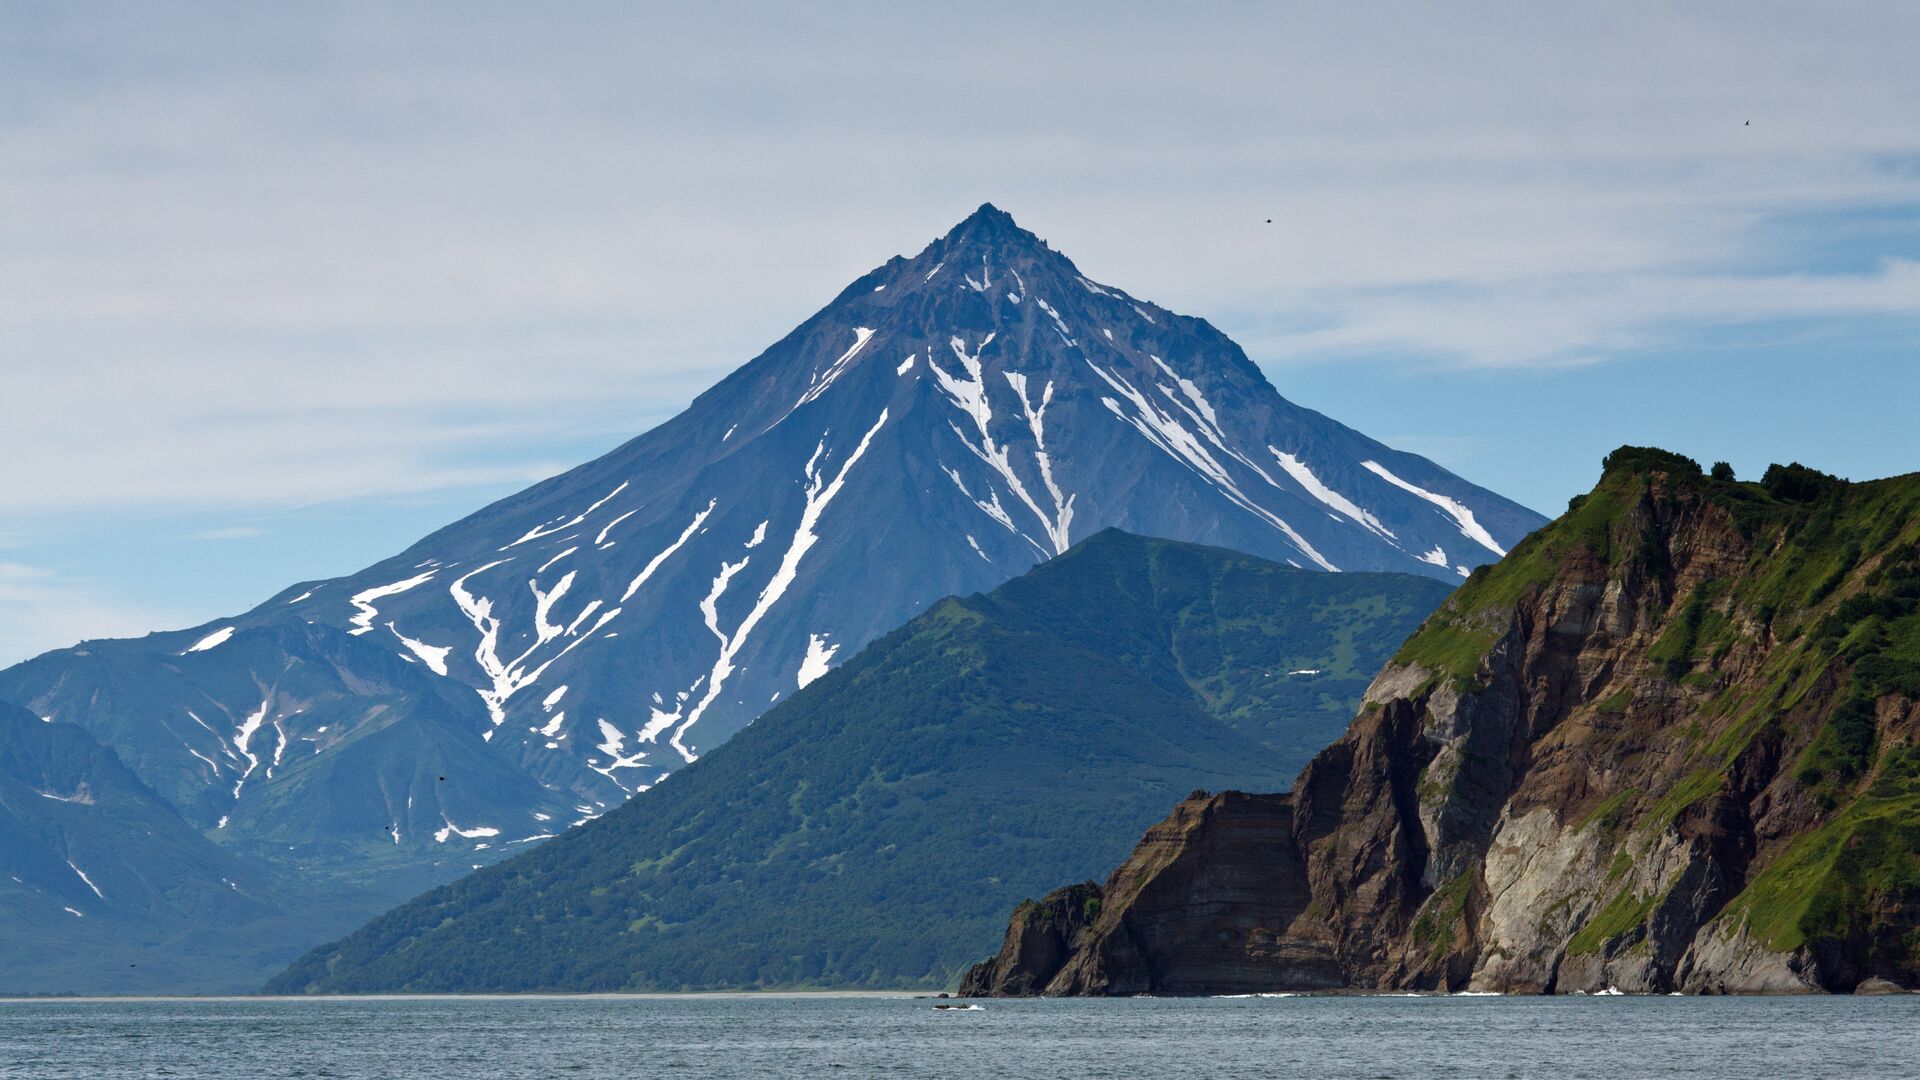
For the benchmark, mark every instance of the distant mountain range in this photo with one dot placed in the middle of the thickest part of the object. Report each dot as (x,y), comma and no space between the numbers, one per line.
(949,421)
(872,830)
(1670,744)
(106,887)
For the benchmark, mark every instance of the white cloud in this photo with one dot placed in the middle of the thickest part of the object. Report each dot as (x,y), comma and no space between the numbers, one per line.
(259,256)
(231,532)
(1578,318)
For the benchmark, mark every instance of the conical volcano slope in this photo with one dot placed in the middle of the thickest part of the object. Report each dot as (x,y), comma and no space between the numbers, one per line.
(943,425)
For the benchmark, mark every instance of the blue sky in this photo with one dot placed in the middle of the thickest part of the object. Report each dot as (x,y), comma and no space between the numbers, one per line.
(283,289)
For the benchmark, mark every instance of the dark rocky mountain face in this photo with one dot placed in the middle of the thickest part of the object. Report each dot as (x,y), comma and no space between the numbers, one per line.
(873,829)
(946,423)
(1671,743)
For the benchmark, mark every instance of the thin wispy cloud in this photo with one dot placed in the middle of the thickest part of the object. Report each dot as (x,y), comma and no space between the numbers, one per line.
(478,226)
(45,609)
(256,257)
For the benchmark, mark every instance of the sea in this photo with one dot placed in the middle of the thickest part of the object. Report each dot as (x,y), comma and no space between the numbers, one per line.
(867,1035)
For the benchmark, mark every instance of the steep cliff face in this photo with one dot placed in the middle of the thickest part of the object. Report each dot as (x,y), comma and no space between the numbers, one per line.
(1669,744)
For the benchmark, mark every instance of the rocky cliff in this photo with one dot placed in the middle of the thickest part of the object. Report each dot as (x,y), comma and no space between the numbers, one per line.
(1669,744)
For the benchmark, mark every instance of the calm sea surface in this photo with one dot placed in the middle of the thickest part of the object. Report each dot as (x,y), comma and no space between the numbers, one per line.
(820,1035)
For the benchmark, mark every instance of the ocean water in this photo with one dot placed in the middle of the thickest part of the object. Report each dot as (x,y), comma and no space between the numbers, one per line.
(816,1035)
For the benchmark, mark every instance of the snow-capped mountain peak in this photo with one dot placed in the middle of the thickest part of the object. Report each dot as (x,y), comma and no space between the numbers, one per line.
(946,422)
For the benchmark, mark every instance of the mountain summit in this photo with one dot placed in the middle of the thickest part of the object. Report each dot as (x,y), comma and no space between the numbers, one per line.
(944,424)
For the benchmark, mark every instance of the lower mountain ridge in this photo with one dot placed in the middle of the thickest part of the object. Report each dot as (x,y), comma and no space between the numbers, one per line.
(102,884)
(872,830)
(1669,744)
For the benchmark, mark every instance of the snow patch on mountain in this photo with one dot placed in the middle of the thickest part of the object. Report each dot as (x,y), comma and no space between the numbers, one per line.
(1304,476)
(434,656)
(365,612)
(451,830)
(549,528)
(823,381)
(1463,517)
(819,656)
(819,493)
(1165,432)
(85,878)
(969,395)
(214,640)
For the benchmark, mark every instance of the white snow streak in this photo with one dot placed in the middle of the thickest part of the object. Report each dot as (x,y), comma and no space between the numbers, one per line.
(861,335)
(539,531)
(455,830)
(969,395)
(986,279)
(1199,410)
(592,605)
(660,721)
(543,601)
(1193,393)
(1303,476)
(211,764)
(1461,516)
(991,507)
(88,880)
(647,572)
(505,679)
(363,621)
(613,743)
(602,538)
(819,493)
(819,656)
(435,656)
(217,737)
(1059,324)
(1062,521)
(217,638)
(555,559)
(240,740)
(759,535)
(1168,434)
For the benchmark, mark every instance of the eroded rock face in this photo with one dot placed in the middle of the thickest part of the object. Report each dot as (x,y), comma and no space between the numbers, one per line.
(1669,745)
(1039,942)
(1204,905)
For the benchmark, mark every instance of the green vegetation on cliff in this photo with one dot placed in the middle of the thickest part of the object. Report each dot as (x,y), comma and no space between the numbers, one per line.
(1824,605)
(1671,742)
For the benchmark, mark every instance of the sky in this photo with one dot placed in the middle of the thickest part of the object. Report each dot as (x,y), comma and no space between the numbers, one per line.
(283,288)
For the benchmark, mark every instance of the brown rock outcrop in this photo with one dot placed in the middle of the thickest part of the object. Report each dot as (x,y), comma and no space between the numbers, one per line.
(1667,744)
